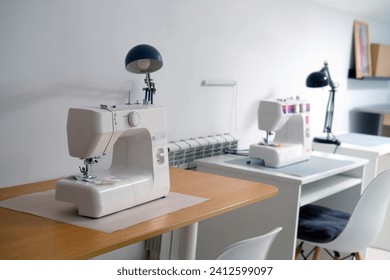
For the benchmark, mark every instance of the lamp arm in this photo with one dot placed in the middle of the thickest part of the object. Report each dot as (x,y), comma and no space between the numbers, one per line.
(325,69)
(149,90)
(330,106)
(329,112)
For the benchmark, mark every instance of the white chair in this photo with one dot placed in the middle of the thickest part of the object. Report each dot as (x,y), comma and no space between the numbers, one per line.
(255,248)
(338,231)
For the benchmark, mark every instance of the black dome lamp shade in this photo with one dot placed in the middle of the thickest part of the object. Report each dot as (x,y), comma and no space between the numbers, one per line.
(144,59)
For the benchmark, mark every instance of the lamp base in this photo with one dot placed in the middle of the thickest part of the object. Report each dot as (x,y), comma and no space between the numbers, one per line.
(327,140)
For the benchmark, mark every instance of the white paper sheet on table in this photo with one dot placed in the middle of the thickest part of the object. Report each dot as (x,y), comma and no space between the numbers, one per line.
(44,204)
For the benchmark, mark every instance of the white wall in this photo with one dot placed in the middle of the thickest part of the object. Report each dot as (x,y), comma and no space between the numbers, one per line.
(57,54)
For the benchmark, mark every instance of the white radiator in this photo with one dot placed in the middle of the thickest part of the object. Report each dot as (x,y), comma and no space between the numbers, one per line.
(182,153)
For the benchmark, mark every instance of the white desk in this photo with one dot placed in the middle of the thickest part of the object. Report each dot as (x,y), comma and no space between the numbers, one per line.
(377,150)
(372,119)
(332,180)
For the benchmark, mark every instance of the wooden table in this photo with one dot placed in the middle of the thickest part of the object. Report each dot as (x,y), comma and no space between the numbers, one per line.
(25,236)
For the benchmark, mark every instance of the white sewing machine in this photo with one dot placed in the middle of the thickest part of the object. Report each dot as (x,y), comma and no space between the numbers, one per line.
(289,119)
(139,170)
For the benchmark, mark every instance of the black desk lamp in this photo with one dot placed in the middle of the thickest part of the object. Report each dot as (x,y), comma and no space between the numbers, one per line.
(144,59)
(320,79)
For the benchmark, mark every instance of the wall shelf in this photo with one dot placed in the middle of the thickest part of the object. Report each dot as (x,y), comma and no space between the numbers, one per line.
(352,75)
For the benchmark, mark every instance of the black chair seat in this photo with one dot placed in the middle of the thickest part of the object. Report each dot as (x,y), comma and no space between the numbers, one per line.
(320,224)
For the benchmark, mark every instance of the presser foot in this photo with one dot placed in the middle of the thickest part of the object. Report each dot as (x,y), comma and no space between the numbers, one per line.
(86,170)
(82,177)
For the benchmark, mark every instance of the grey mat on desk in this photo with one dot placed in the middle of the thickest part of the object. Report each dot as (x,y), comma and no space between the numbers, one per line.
(301,169)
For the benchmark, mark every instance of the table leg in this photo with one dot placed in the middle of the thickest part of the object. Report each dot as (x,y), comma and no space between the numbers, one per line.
(188,239)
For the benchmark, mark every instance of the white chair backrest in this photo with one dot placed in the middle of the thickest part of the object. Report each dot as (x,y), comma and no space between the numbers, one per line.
(367,218)
(250,249)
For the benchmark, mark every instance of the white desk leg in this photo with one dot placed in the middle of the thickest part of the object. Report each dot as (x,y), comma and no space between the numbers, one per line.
(188,238)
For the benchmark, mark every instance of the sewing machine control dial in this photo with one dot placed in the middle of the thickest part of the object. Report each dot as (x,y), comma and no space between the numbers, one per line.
(134,119)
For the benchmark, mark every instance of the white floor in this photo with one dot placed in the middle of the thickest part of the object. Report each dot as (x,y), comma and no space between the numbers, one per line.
(377,254)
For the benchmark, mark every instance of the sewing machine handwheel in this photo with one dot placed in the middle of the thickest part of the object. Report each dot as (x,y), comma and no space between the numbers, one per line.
(134,119)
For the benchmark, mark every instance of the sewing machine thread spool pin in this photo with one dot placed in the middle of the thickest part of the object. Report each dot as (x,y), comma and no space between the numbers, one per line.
(128,98)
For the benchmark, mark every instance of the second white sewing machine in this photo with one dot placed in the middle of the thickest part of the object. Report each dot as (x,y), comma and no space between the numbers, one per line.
(139,170)
(290,121)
